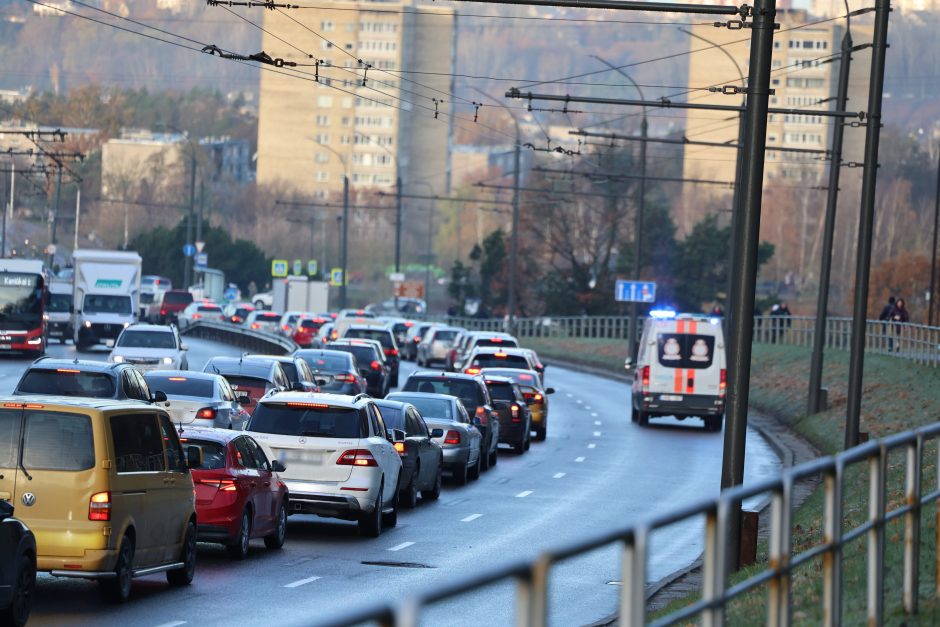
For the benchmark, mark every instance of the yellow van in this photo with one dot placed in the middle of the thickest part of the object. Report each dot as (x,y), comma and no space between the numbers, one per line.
(105,487)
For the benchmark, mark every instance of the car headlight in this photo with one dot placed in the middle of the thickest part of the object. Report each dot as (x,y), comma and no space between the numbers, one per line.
(168,360)
(88,324)
(118,359)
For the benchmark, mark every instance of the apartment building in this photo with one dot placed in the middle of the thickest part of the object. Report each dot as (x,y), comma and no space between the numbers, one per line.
(364,104)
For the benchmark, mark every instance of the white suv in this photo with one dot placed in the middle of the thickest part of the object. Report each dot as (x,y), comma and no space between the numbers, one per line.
(150,347)
(340,457)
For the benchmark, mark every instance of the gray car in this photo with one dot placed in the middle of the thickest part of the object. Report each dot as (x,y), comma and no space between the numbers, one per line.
(200,399)
(452,428)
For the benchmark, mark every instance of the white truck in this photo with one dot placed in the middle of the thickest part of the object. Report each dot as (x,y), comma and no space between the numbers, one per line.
(297,293)
(106,296)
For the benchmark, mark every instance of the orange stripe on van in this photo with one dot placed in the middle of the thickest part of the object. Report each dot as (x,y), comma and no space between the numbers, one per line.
(690,381)
(680,326)
(693,327)
(677,386)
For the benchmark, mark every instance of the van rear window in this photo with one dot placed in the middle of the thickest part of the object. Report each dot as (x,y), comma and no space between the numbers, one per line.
(685,350)
(58,441)
(501,360)
(9,437)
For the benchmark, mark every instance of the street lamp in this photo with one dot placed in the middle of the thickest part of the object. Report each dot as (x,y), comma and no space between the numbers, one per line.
(429,255)
(344,255)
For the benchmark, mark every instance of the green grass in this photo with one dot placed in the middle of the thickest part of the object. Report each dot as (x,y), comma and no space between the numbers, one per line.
(897,396)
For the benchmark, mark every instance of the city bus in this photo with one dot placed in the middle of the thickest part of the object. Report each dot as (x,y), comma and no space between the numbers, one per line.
(22,306)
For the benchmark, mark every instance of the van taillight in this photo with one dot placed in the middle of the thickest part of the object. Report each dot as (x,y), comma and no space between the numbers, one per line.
(723,382)
(452,437)
(645,375)
(356,457)
(99,506)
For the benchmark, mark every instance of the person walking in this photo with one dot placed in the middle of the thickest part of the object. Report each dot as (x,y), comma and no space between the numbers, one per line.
(774,322)
(899,317)
(786,319)
(885,318)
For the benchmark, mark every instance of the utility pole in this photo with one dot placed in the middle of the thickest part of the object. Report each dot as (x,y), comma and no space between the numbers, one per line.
(188,259)
(78,213)
(344,261)
(55,216)
(427,267)
(933,250)
(866,223)
(744,273)
(514,236)
(398,225)
(814,398)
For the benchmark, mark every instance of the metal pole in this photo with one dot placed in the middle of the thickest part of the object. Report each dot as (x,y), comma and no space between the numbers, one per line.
(638,236)
(427,267)
(866,222)
(55,214)
(188,260)
(344,253)
(202,203)
(398,225)
(12,189)
(514,237)
(933,249)
(814,398)
(746,239)
(78,213)
(3,233)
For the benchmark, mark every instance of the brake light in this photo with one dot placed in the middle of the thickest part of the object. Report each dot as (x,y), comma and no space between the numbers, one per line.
(177,378)
(538,398)
(645,375)
(452,437)
(163,312)
(99,506)
(68,370)
(497,340)
(417,339)
(391,352)
(34,406)
(286,327)
(225,485)
(346,378)
(400,447)
(356,457)
(206,413)
(481,414)
(197,316)
(515,413)
(500,355)
(13,405)
(723,382)
(237,319)
(473,370)
(376,365)
(255,325)
(309,405)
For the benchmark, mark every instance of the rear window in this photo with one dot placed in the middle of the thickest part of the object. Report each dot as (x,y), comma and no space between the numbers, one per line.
(494,360)
(307,420)
(445,336)
(67,382)
(496,341)
(382,335)
(308,323)
(467,391)
(431,407)
(685,350)
(290,369)
(177,298)
(365,355)
(253,387)
(268,317)
(146,298)
(323,362)
(400,328)
(58,441)
(514,374)
(210,308)
(394,418)
(501,392)
(147,339)
(181,386)
(213,453)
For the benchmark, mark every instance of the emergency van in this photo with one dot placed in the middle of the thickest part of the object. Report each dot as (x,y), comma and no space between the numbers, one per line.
(680,369)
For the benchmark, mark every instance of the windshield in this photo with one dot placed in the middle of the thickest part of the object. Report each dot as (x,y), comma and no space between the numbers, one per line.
(430,407)
(20,301)
(60,303)
(147,339)
(466,391)
(393,417)
(107,303)
(181,386)
(213,453)
(307,420)
(67,382)
(445,336)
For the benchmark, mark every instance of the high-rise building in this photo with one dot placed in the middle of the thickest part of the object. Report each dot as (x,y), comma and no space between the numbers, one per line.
(803,76)
(368,110)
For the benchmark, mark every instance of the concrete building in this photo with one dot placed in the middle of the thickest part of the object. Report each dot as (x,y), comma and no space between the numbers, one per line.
(309,128)
(802,77)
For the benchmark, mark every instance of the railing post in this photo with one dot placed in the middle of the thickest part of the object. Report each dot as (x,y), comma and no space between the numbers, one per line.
(633,576)
(713,569)
(832,558)
(524,593)
(876,535)
(778,605)
(912,526)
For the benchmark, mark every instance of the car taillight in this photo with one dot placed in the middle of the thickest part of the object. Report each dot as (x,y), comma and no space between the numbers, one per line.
(286,327)
(197,316)
(452,437)
(723,382)
(356,457)
(481,414)
(346,378)
(99,506)
(163,312)
(473,370)
(391,352)
(645,376)
(206,413)
(400,447)
(515,413)
(417,340)
(255,325)
(375,365)
(226,485)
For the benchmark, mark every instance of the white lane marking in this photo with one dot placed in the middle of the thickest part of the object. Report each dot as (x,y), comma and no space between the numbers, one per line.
(594,415)
(301,582)
(587,407)
(592,446)
(470,518)
(578,401)
(597,422)
(558,475)
(522,495)
(399,547)
(175,623)
(569,395)
(597,434)
(579,459)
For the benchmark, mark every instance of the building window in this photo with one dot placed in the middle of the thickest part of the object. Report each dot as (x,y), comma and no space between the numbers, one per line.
(322,157)
(326,26)
(324,101)
(322,138)
(347,102)
(323,120)
(323,177)
(808,44)
(344,140)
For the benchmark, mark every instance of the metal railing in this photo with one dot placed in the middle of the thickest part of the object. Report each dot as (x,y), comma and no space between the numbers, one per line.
(914,342)
(234,335)
(531,578)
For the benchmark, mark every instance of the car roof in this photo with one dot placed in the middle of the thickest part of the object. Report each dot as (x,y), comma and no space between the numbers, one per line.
(440,397)
(436,374)
(389,402)
(499,334)
(189,374)
(85,365)
(320,351)
(444,327)
(241,366)
(284,359)
(498,380)
(79,402)
(219,435)
(335,400)
(368,327)
(485,372)
(143,326)
(492,350)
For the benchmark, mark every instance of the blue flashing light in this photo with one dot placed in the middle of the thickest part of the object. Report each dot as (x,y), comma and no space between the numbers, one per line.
(662,314)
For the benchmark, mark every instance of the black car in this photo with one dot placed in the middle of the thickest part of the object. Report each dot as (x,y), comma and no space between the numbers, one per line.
(254,377)
(85,379)
(515,418)
(472,392)
(298,372)
(371,364)
(422,459)
(334,371)
(386,338)
(17,568)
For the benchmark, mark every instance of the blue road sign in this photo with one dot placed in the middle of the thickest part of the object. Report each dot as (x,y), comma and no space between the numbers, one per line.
(635,292)
(202,261)
(189,250)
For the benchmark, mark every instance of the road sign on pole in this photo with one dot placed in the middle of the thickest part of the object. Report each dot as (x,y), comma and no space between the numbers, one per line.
(200,246)
(298,267)
(312,267)
(336,276)
(202,261)
(279,268)
(635,292)
(396,277)
(189,250)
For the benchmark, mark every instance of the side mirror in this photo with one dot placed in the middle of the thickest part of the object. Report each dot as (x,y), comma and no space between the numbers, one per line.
(477,422)
(184,347)
(158,397)
(396,435)
(243,399)
(437,433)
(627,363)
(549,390)
(278,466)
(193,457)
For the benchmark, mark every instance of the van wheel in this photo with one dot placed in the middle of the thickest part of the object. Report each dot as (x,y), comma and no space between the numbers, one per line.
(370,525)
(118,589)
(493,458)
(540,434)
(276,539)
(239,548)
(642,418)
(184,576)
(519,447)
(18,612)
(713,423)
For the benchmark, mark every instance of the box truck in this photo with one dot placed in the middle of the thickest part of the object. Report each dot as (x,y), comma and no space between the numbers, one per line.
(106,296)
(297,293)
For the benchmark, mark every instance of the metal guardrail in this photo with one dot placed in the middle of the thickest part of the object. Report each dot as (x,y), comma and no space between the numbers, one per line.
(914,342)
(249,339)
(532,577)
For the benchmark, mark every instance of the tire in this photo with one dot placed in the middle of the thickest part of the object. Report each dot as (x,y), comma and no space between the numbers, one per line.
(370,525)
(540,434)
(409,496)
(494,457)
(184,576)
(435,492)
(642,418)
(528,440)
(394,383)
(520,447)
(461,474)
(239,549)
(275,540)
(21,602)
(391,519)
(484,459)
(118,589)
(475,471)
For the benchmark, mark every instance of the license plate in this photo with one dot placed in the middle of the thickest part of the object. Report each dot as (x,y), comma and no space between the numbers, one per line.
(109,343)
(671,397)
(6,347)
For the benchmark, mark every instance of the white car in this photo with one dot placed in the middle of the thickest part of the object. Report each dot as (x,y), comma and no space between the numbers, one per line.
(263,300)
(199,399)
(261,320)
(340,457)
(290,320)
(199,310)
(149,347)
(435,345)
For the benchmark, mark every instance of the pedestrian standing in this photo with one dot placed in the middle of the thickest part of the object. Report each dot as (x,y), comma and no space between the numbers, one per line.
(899,317)
(885,318)
(774,322)
(786,319)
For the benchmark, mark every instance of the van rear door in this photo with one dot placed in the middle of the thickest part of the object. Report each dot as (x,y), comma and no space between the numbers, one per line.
(685,362)
(10,422)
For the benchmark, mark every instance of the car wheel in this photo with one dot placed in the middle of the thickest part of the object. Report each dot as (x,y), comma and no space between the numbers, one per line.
(519,447)
(118,588)
(184,576)
(435,492)
(239,548)
(494,457)
(540,434)
(391,519)
(370,525)
(410,493)
(642,418)
(528,440)
(22,599)
(276,539)
(461,474)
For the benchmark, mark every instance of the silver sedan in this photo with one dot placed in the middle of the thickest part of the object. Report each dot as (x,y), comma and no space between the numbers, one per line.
(199,399)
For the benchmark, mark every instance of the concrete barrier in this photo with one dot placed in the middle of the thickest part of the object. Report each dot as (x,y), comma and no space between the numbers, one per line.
(234,335)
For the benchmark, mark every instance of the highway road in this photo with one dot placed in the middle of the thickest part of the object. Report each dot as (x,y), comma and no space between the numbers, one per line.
(596,471)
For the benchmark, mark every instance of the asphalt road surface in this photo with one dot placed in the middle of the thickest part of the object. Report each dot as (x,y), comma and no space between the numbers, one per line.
(596,471)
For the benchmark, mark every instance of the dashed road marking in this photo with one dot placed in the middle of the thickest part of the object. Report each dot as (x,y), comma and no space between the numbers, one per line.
(594,415)
(470,518)
(587,407)
(522,495)
(597,434)
(578,401)
(175,623)
(579,459)
(592,445)
(597,422)
(399,547)
(570,395)
(301,582)
(559,475)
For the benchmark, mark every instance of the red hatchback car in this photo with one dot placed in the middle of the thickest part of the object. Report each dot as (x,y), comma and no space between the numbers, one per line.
(239,495)
(306,330)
